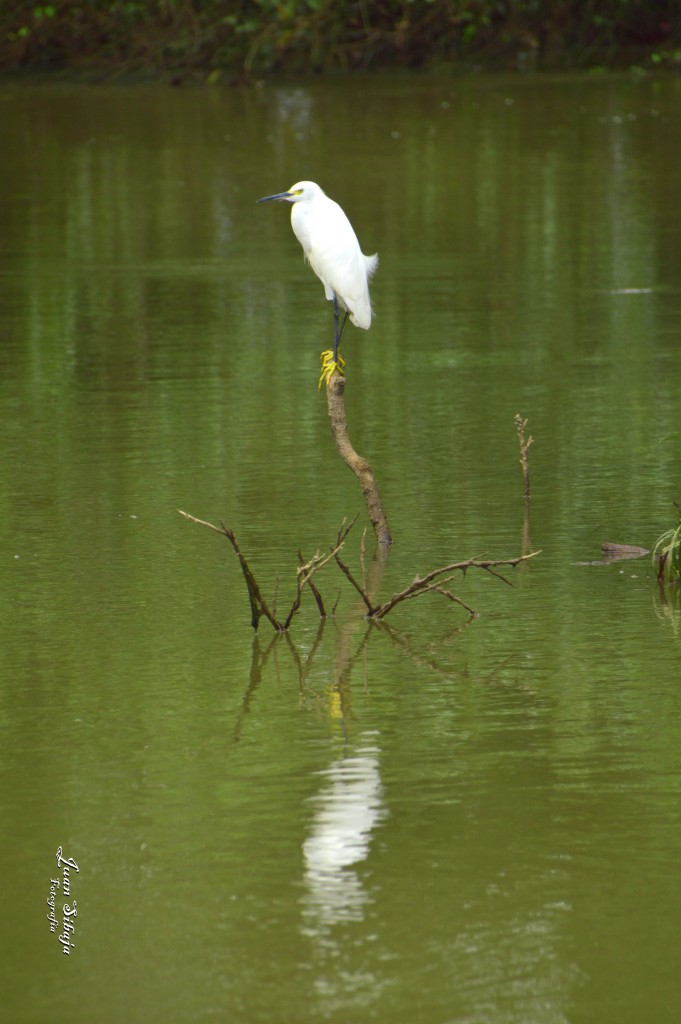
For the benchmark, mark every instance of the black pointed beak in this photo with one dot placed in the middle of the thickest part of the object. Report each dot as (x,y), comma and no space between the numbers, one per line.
(278,195)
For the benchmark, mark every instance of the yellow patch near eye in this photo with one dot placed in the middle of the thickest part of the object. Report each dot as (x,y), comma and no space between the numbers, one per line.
(298,192)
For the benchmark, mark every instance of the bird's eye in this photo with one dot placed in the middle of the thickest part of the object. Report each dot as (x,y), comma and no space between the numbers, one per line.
(299,192)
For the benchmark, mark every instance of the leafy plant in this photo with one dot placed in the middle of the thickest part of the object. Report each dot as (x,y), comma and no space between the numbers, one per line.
(668,551)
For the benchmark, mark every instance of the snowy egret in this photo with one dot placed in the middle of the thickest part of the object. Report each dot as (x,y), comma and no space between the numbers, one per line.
(332,250)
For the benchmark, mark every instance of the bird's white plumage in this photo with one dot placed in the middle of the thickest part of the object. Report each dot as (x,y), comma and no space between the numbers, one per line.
(332,250)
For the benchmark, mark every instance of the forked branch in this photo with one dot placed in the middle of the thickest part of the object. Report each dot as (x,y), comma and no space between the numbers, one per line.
(427,584)
(433,582)
(304,574)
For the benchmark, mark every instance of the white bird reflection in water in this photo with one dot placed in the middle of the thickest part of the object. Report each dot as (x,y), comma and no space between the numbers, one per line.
(347,809)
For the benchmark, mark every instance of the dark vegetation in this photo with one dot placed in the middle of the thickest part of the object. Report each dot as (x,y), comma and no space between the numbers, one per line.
(256,37)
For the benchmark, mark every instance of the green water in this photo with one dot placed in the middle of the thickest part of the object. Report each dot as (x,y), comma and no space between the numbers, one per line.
(434,822)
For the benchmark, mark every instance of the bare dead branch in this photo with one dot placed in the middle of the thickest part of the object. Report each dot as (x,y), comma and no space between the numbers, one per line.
(520,425)
(457,600)
(362,593)
(202,522)
(362,559)
(432,582)
(422,584)
(315,592)
(258,604)
(498,575)
(301,580)
(305,572)
(335,390)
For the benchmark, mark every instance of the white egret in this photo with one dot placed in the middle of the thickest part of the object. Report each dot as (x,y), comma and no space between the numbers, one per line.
(332,250)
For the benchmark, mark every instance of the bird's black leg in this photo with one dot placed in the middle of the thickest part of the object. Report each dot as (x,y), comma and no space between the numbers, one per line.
(337,335)
(345,320)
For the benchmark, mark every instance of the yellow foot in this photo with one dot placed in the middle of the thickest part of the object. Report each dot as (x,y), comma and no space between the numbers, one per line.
(329,366)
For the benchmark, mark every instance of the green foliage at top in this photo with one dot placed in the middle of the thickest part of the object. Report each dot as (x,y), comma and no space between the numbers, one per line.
(246,36)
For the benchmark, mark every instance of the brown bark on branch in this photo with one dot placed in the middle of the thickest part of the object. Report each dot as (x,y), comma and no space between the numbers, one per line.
(304,574)
(360,589)
(335,390)
(433,582)
(315,593)
(425,584)
(257,602)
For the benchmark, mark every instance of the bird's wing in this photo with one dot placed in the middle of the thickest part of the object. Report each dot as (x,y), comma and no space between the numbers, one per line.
(333,251)
(337,251)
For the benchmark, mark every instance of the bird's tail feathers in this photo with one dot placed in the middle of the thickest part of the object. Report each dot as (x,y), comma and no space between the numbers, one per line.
(371,263)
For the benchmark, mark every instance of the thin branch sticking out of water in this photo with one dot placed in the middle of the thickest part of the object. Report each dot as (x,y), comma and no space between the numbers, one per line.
(304,574)
(433,582)
(520,425)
